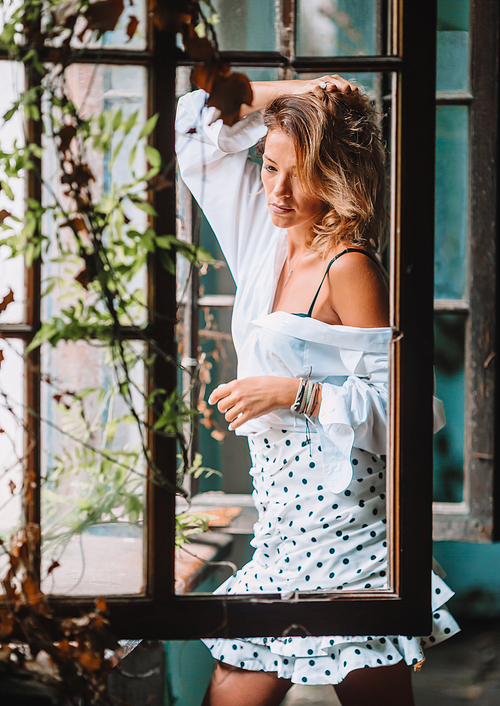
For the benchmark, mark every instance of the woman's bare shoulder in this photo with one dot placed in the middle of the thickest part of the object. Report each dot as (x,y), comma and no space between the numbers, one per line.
(359,291)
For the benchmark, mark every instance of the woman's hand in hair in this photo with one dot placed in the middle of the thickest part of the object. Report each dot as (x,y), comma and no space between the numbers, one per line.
(241,400)
(266,91)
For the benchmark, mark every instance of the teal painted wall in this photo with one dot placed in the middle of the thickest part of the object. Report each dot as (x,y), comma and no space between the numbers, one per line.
(473,572)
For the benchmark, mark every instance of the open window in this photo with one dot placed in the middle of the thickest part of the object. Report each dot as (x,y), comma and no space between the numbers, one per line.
(381,43)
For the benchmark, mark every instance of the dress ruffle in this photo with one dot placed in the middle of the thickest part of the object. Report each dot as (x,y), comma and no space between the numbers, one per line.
(308,538)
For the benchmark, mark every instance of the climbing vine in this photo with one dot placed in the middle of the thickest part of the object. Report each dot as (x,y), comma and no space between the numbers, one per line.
(95,242)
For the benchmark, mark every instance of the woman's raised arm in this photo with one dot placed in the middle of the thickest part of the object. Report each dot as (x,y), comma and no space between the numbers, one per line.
(266,91)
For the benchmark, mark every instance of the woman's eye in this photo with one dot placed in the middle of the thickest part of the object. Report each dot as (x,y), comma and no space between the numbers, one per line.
(269,168)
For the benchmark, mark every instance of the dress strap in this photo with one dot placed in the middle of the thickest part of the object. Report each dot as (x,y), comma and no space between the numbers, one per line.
(364,252)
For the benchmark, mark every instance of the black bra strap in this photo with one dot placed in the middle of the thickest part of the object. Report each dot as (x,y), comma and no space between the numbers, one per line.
(364,252)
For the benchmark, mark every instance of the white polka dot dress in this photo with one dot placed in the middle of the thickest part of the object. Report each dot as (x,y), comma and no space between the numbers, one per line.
(308,538)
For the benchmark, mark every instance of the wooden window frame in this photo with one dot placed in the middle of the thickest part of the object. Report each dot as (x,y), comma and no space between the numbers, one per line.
(475,518)
(405,606)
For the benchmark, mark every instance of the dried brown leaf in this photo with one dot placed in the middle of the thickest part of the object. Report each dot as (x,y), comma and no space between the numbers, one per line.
(227,96)
(66,135)
(132,26)
(90,661)
(102,16)
(8,299)
(3,215)
(6,623)
(12,487)
(55,564)
(101,605)
(2,357)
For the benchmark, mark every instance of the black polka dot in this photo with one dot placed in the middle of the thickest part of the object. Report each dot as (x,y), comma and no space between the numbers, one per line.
(284,461)
(319,564)
(373,557)
(285,489)
(312,464)
(447,631)
(290,474)
(308,578)
(285,661)
(312,662)
(339,533)
(304,481)
(266,441)
(369,647)
(355,461)
(327,672)
(334,506)
(313,539)
(374,511)
(320,498)
(310,652)
(372,489)
(373,533)
(438,591)
(379,661)
(346,560)
(390,658)
(288,442)
(304,679)
(332,550)
(368,585)
(345,537)
(345,664)
(326,525)
(298,507)
(382,640)
(302,529)
(331,575)
(320,487)
(358,652)
(235,647)
(347,493)
(297,458)
(361,503)
(432,638)
(382,573)
(359,547)
(369,470)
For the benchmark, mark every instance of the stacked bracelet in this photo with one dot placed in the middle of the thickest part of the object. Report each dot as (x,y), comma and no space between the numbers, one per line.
(306,398)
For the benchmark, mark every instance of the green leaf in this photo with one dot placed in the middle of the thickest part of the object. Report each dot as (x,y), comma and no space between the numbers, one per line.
(130,122)
(153,156)
(117,120)
(7,190)
(149,126)
(143,204)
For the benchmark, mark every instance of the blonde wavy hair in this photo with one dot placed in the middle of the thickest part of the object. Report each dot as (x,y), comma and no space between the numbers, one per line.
(340,158)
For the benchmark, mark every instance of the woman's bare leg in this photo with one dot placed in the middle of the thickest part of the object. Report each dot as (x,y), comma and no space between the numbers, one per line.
(377,686)
(232,686)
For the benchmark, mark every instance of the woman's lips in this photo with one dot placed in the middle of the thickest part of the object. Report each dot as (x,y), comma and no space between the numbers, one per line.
(277,208)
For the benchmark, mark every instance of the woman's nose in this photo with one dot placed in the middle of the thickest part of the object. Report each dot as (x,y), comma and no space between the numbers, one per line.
(283,188)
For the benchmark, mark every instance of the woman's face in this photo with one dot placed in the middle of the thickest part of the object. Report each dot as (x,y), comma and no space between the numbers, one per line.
(288,203)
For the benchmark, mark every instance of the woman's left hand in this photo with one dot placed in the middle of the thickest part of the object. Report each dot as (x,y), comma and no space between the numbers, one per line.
(241,400)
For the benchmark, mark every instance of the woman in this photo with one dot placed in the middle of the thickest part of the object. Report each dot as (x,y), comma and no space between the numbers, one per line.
(311,331)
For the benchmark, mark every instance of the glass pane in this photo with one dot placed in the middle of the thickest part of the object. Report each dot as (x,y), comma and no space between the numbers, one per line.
(93,469)
(130,31)
(451,201)
(96,91)
(287,475)
(246,25)
(449,333)
(453,45)
(11,270)
(336,28)
(11,439)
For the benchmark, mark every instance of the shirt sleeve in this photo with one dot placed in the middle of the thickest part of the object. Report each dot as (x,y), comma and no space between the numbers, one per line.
(355,415)
(215,165)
